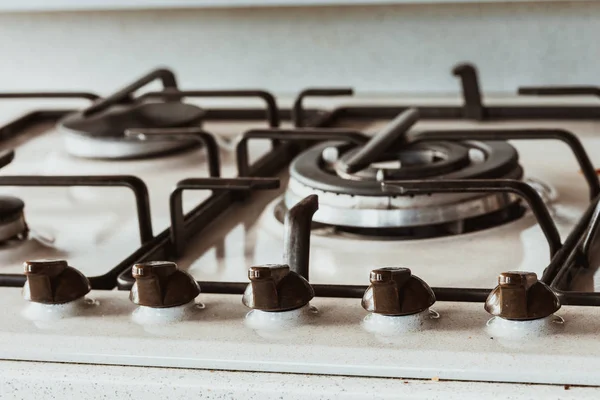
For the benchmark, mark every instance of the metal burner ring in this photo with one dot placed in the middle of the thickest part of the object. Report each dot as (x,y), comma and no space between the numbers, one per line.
(393,212)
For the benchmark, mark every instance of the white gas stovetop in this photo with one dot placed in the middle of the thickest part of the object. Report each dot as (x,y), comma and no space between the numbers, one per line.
(98,349)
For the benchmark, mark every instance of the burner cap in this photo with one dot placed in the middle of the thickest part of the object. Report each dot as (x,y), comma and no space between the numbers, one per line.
(12,219)
(356,200)
(415,162)
(102,135)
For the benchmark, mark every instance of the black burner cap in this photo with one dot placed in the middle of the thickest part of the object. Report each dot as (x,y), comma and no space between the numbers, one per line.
(113,122)
(11,208)
(500,160)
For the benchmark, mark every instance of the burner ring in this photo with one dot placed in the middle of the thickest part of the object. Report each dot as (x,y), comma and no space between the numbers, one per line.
(393,212)
(501,161)
(419,160)
(361,203)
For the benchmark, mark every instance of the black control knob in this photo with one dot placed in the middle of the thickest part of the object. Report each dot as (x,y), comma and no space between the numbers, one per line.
(274,287)
(161,284)
(53,282)
(395,291)
(521,296)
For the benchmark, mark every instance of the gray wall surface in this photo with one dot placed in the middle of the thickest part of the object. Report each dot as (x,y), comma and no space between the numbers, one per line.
(402,48)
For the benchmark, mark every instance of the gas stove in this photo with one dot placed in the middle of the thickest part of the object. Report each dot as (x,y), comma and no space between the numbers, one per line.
(361,247)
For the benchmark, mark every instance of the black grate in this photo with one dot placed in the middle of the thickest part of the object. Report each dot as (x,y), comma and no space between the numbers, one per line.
(315,125)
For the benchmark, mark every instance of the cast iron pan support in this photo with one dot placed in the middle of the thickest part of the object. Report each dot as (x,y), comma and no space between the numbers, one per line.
(177,134)
(176,200)
(21,124)
(560,90)
(589,244)
(268,98)
(132,182)
(298,109)
(296,244)
(308,134)
(584,244)
(50,95)
(166,76)
(473,106)
(521,189)
(586,166)
(423,187)
(580,251)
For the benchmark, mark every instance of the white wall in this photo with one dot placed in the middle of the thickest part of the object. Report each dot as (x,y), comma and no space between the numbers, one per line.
(386,48)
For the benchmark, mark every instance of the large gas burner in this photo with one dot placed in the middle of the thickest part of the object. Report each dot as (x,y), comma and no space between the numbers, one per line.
(348,179)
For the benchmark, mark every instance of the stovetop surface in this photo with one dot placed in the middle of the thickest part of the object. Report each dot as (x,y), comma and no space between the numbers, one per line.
(95,229)
(458,345)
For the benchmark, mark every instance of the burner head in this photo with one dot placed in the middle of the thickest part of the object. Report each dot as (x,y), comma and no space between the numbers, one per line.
(53,282)
(160,284)
(274,287)
(102,135)
(12,219)
(355,201)
(520,296)
(395,291)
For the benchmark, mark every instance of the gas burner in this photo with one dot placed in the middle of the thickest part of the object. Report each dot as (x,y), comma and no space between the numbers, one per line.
(348,178)
(12,219)
(99,131)
(102,135)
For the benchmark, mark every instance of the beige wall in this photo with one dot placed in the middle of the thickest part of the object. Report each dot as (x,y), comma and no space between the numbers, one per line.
(387,48)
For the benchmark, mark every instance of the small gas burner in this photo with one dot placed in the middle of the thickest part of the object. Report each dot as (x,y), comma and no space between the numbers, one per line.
(102,135)
(348,179)
(99,131)
(12,219)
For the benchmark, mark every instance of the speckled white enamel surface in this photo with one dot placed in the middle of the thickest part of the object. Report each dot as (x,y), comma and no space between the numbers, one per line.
(32,380)
(457,347)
